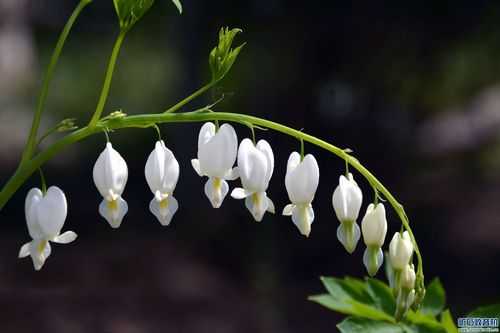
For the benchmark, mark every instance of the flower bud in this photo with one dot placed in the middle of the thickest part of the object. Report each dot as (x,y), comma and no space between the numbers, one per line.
(406,294)
(400,250)
(407,279)
(374,225)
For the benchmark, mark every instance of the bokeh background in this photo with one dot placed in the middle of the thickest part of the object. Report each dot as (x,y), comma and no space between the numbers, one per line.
(413,87)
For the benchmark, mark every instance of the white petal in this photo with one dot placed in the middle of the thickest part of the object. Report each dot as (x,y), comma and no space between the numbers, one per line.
(65,238)
(252,165)
(348,234)
(207,131)
(113,211)
(265,148)
(270,206)
(32,199)
(302,179)
(240,193)
(40,250)
(52,211)
(164,210)
(288,210)
(373,261)
(374,225)
(216,190)
(257,204)
(162,169)
(232,174)
(347,199)
(218,154)
(196,166)
(24,251)
(303,217)
(110,173)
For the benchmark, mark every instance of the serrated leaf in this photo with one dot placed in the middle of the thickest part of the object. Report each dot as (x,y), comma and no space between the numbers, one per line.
(351,307)
(363,325)
(492,310)
(381,295)
(448,322)
(435,298)
(178,4)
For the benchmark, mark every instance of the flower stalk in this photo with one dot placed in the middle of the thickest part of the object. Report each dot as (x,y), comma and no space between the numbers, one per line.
(32,139)
(203,115)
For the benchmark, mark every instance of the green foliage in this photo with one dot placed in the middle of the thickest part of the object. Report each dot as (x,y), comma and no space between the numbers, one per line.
(371,307)
(131,11)
(448,322)
(435,299)
(222,57)
(486,311)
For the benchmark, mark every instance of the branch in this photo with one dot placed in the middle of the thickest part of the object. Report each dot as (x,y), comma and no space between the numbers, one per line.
(31,143)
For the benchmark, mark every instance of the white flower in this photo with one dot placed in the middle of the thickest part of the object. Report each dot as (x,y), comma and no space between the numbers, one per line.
(374,228)
(347,199)
(301,181)
(407,279)
(216,156)
(45,216)
(406,295)
(255,166)
(110,177)
(374,225)
(162,173)
(400,250)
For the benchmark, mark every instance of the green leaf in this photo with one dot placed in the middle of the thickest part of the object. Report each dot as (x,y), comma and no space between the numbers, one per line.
(363,325)
(381,295)
(492,310)
(348,288)
(223,56)
(421,318)
(178,4)
(435,298)
(131,11)
(350,306)
(448,322)
(423,328)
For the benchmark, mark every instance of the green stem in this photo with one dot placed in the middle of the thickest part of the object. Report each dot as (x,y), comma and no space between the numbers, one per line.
(107,80)
(191,97)
(31,143)
(202,115)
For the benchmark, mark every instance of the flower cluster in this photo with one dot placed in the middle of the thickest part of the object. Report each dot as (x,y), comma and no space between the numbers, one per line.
(347,200)
(218,151)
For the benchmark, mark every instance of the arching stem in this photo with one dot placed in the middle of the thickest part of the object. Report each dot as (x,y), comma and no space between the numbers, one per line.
(202,115)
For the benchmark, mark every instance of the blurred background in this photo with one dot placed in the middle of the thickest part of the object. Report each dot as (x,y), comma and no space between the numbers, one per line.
(412,87)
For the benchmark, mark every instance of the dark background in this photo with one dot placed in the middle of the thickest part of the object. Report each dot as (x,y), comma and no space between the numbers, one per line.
(412,87)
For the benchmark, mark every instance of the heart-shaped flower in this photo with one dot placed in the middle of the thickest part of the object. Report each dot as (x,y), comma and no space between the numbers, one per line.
(45,217)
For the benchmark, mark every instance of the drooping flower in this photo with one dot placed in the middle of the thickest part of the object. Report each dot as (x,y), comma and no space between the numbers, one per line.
(162,173)
(301,181)
(347,199)
(45,216)
(216,156)
(110,177)
(255,166)
(400,250)
(374,229)
(406,293)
